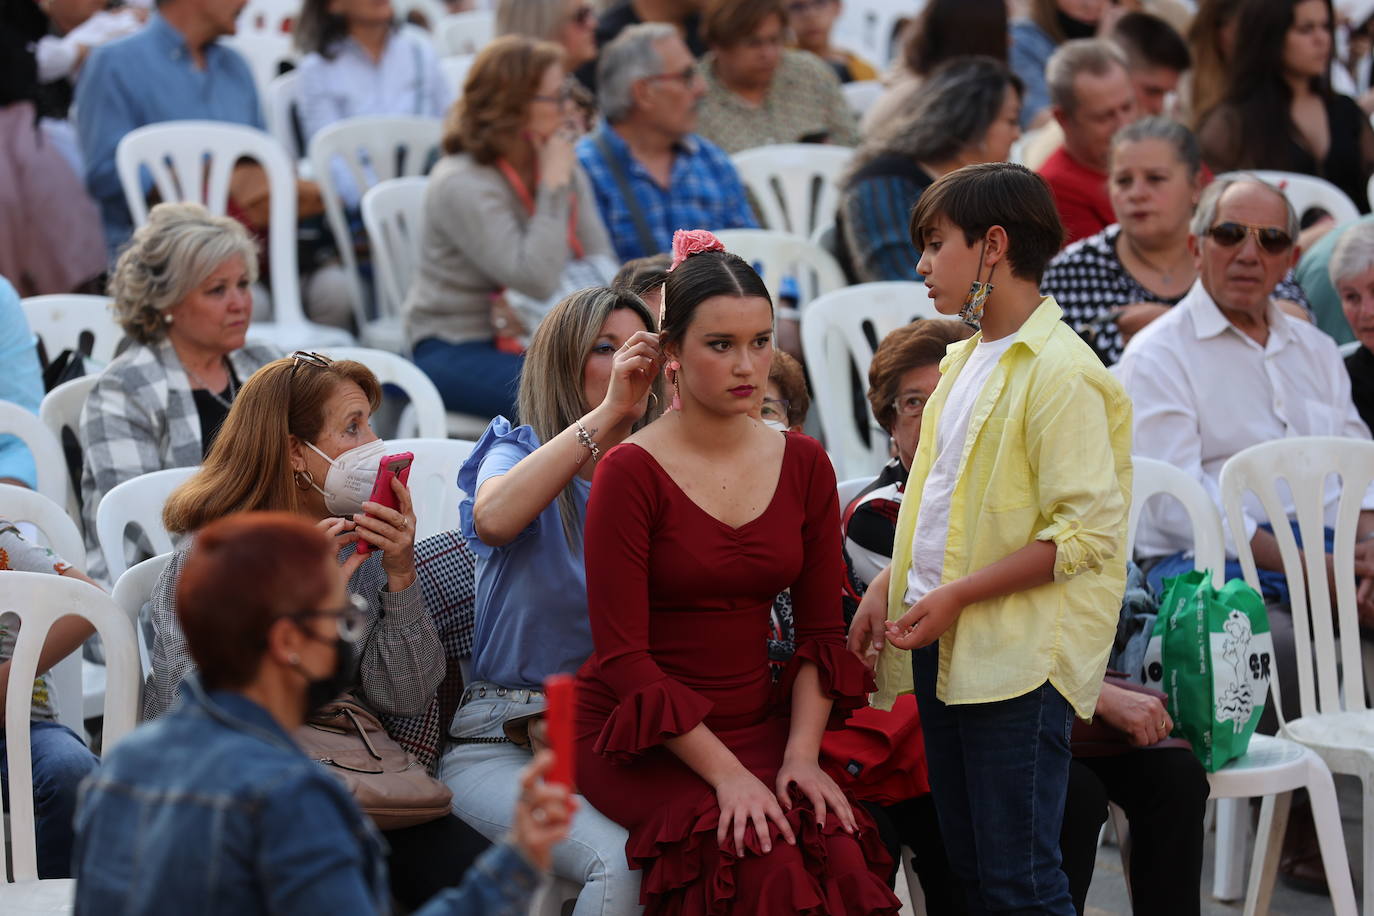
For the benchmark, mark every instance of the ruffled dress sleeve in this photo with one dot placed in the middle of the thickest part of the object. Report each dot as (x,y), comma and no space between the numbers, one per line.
(620,518)
(501,448)
(817,609)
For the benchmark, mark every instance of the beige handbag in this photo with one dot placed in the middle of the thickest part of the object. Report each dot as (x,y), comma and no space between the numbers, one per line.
(388,783)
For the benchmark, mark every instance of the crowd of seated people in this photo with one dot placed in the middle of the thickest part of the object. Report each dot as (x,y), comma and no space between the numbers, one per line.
(702,591)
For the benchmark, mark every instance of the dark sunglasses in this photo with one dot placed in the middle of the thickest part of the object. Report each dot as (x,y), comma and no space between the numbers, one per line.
(1270,238)
(298,359)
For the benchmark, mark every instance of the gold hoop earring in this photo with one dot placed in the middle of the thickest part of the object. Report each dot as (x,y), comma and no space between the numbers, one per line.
(305,484)
(653,401)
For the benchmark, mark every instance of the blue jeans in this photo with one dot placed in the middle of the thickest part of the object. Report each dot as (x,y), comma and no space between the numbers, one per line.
(60,761)
(999,773)
(473,377)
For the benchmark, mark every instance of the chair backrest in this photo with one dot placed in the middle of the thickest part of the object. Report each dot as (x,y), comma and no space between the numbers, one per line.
(136,502)
(58,532)
(1153,477)
(1304,191)
(271,17)
(848,489)
(870,27)
(60,412)
(840,332)
(264,52)
(1304,465)
(391,369)
(861,94)
(393,214)
(73,322)
(192,161)
(40,600)
(464,33)
(794,185)
(279,103)
(455,68)
(133,590)
(53,481)
(434,481)
(369,150)
(777,255)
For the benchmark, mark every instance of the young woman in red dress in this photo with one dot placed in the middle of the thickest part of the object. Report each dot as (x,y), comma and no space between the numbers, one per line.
(697,522)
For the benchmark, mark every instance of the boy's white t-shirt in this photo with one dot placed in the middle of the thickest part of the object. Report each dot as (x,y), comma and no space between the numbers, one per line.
(932,524)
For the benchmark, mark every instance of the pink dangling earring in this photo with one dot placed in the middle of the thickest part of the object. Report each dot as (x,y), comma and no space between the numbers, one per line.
(676,403)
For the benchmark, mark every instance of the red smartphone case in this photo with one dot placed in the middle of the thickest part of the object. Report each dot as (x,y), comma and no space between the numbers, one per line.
(391,466)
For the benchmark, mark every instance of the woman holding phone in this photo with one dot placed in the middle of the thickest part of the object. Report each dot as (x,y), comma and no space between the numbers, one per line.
(298,439)
(587,384)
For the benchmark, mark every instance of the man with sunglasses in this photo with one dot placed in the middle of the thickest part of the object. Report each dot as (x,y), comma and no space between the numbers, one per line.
(1226,369)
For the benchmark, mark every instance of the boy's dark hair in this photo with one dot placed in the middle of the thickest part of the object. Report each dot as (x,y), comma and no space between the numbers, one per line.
(1151,42)
(977,197)
(640,275)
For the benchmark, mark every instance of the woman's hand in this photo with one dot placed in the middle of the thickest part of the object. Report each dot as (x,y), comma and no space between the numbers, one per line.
(819,789)
(557,155)
(393,532)
(1139,715)
(633,372)
(543,812)
(742,798)
(928,618)
(867,631)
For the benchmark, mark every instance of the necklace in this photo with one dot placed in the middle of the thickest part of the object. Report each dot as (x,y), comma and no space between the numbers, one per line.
(223,402)
(1166,275)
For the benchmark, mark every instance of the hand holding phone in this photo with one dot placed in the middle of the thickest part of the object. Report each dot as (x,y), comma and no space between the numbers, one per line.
(560,693)
(391,467)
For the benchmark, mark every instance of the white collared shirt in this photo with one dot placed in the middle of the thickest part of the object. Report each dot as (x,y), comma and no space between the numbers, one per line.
(1203,390)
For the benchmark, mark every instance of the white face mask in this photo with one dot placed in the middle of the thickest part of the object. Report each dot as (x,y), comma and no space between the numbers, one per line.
(351,476)
(775,424)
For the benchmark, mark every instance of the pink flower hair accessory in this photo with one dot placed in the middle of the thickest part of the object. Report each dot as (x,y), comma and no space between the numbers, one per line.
(687,242)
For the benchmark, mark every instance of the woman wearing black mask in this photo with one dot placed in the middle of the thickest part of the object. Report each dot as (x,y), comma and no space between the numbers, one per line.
(214,802)
(298,439)
(1048,25)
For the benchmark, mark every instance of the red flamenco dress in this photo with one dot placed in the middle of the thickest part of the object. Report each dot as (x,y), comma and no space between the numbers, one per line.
(679,605)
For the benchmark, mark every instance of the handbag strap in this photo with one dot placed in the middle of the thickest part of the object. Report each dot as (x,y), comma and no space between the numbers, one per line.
(622,183)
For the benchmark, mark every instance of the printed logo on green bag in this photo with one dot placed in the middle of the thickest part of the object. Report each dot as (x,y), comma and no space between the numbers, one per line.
(1240,680)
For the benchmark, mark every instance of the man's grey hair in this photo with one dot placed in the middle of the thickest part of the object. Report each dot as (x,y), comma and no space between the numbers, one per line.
(1206,211)
(1095,56)
(630,57)
(1354,253)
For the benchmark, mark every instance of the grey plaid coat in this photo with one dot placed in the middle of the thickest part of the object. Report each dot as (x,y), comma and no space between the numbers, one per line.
(141,417)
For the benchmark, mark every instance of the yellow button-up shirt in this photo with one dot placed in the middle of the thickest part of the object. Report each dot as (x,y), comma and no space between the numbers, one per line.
(1047,458)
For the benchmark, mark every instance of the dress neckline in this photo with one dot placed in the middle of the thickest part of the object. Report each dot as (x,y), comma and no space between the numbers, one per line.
(777,486)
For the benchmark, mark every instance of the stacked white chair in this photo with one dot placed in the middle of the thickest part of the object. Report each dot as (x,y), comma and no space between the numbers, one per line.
(1335,720)
(794,185)
(1304,191)
(781,254)
(840,332)
(1272,768)
(272,17)
(136,502)
(464,33)
(63,321)
(371,149)
(40,600)
(279,103)
(193,161)
(46,449)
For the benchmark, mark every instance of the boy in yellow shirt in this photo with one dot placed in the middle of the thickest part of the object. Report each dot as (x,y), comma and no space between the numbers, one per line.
(1008,570)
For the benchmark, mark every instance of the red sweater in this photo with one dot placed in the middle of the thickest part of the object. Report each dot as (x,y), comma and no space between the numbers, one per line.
(1080,193)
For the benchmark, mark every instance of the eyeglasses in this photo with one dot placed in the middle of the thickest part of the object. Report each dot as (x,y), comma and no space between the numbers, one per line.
(351,618)
(1270,238)
(910,405)
(775,409)
(687,75)
(565,92)
(298,359)
(584,15)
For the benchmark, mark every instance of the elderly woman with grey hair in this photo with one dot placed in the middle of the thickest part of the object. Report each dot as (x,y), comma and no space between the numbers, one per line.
(1352,274)
(181,293)
(967,112)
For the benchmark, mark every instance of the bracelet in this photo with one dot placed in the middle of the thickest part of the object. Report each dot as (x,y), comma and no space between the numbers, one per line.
(585,438)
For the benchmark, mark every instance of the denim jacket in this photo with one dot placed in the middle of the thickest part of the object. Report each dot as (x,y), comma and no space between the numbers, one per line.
(213,809)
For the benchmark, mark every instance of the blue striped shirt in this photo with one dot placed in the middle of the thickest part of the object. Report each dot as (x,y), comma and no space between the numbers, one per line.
(876,214)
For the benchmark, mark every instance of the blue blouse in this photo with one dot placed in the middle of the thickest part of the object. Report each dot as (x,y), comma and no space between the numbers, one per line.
(531,606)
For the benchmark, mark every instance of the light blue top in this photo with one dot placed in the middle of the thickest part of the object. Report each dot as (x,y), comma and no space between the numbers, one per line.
(146,78)
(1029,50)
(531,606)
(21,382)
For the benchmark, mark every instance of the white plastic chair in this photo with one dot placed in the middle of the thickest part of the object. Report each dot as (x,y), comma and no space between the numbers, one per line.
(870,27)
(393,214)
(1334,720)
(795,185)
(40,600)
(1305,191)
(848,489)
(46,449)
(62,322)
(60,412)
(133,590)
(464,33)
(861,94)
(455,68)
(371,149)
(429,420)
(273,17)
(279,102)
(136,502)
(839,334)
(781,254)
(434,481)
(192,160)
(264,52)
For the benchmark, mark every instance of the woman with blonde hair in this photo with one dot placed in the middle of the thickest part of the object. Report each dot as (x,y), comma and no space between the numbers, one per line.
(298,440)
(568,23)
(588,382)
(510,222)
(181,293)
